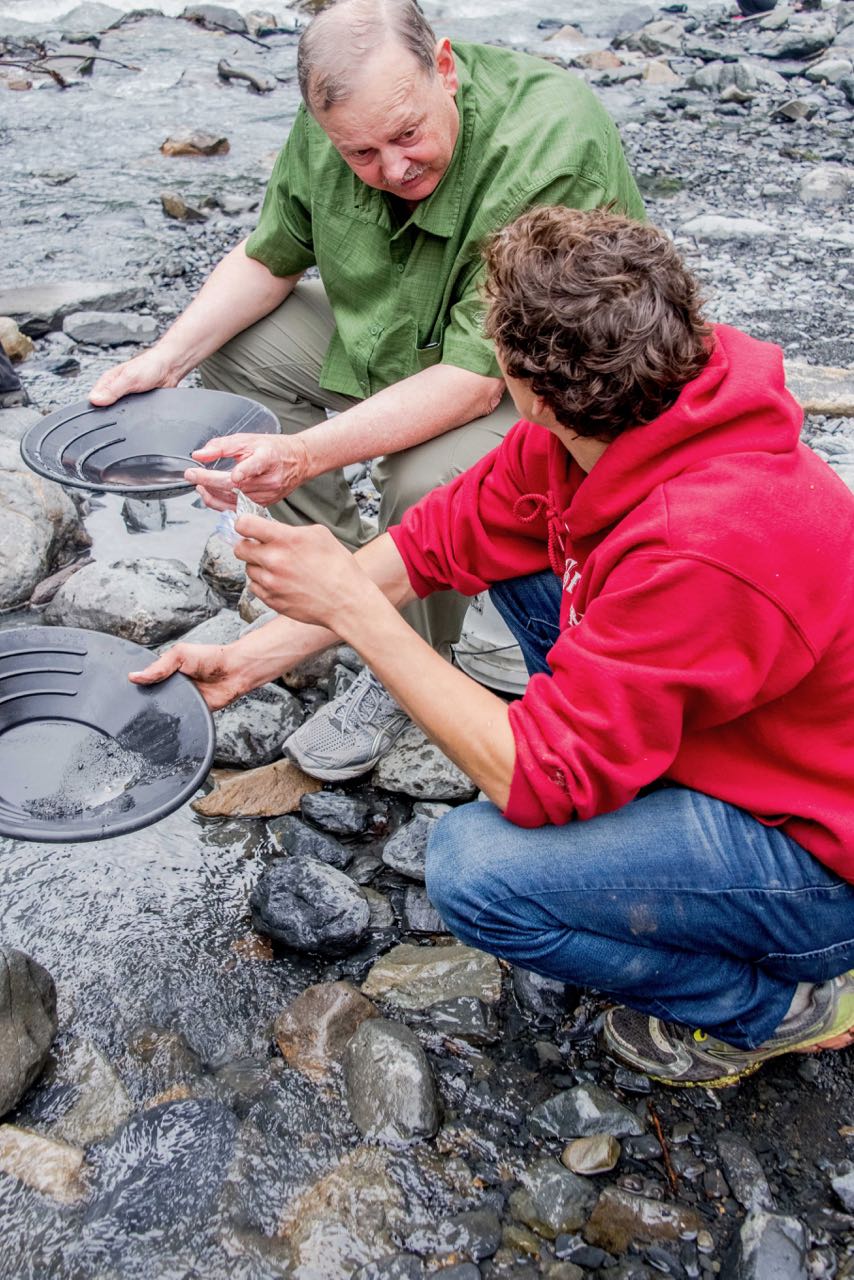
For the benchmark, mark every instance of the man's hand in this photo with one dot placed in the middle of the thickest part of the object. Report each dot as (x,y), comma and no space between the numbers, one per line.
(303,572)
(268,468)
(210,666)
(145,372)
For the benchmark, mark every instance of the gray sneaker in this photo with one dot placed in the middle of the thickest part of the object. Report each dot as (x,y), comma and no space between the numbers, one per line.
(350,734)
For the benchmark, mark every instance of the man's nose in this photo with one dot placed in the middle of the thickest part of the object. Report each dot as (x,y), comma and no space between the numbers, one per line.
(395,163)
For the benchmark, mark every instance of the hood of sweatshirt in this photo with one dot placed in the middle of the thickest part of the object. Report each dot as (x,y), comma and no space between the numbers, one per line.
(738,404)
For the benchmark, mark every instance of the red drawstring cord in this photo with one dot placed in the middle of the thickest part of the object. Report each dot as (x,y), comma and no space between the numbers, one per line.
(543,505)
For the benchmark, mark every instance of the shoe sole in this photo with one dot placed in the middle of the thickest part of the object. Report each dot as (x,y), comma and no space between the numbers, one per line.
(331,775)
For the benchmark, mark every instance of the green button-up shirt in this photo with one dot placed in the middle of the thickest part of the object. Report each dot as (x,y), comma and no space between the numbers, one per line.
(406,295)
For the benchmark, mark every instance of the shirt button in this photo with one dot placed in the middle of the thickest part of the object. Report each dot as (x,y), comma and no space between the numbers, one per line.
(375,329)
(400,266)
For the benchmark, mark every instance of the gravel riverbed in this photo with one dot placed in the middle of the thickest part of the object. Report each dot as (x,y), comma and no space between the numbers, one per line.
(271,1059)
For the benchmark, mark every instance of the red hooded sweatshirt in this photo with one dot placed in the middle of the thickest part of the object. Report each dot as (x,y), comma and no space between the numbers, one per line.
(707,619)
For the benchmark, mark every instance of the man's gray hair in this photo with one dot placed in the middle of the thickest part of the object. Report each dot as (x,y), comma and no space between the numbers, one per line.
(345,32)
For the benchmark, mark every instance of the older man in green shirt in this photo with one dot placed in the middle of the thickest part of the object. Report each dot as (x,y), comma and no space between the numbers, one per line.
(406,153)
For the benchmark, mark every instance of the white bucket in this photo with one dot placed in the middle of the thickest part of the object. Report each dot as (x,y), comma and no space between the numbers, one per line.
(487,650)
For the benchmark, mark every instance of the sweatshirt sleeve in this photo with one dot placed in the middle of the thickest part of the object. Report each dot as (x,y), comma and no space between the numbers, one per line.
(468,533)
(670,645)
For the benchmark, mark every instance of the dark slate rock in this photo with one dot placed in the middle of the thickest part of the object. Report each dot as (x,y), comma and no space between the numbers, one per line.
(769,1246)
(545,1000)
(141,515)
(333,811)
(27,1023)
(582,1112)
(644,1147)
(250,731)
(420,916)
(163,1170)
(744,1173)
(406,850)
(473,1235)
(390,1088)
(552,1201)
(465,1018)
(300,841)
(800,44)
(306,905)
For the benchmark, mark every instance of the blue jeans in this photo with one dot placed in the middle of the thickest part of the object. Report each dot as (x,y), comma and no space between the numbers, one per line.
(678,905)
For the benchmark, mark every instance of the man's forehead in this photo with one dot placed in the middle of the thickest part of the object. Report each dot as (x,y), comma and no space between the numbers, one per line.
(374,108)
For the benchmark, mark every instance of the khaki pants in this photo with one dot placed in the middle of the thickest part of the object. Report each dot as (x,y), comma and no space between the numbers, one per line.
(277,362)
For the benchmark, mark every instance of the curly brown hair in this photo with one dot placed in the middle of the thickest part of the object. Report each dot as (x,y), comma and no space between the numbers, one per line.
(598,313)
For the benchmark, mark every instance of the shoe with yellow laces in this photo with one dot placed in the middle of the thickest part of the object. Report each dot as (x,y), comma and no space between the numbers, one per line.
(685,1056)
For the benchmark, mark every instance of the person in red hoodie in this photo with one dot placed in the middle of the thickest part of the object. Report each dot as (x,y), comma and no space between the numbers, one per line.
(671,816)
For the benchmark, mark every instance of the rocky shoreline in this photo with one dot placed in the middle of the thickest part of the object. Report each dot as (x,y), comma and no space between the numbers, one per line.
(384,1103)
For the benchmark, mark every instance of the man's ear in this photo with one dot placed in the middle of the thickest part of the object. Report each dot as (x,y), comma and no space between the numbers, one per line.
(446,67)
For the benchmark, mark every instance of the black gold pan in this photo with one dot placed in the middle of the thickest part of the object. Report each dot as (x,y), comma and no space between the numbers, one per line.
(141,445)
(84,753)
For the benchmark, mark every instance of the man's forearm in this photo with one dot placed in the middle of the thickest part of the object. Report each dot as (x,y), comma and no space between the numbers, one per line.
(269,651)
(238,292)
(417,409)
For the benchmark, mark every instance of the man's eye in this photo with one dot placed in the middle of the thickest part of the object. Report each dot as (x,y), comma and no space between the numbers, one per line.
(362,155)
(406,135)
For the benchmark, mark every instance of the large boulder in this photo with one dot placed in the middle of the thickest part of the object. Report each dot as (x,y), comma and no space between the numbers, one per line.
(39,526)
(146,600)
(251,730)
(27,1023)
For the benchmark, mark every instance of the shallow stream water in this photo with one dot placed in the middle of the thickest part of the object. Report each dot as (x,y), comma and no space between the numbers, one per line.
(148,936)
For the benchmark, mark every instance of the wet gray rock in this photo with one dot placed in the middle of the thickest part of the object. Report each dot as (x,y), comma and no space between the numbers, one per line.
(544,1000)
(28,1023)
(829,70)
(39,527)
(582,1112)
(803,43)
(749,77)
(715,226)
(336,812)
(843,1185)
(41,308)
(419,914)
(306,905)
(390,1089)
(141,515)
(300,841)
(406,850)
(15,423)
(744,1173)
(221,568)
(251,730)
(552,1200)
(215,16)
(827,184)
(146,600)
(419,769)
(221,628)
(162,1172)
(662,36)
(109,328)
(769,1246)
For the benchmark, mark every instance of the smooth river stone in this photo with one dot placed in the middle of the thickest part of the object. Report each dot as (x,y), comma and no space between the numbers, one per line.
(313,1031)
(413,977)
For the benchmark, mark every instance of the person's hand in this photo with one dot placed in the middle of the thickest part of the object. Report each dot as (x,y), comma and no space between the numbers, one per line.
(303,572)
(210,666)
(145,372)
(268,468)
